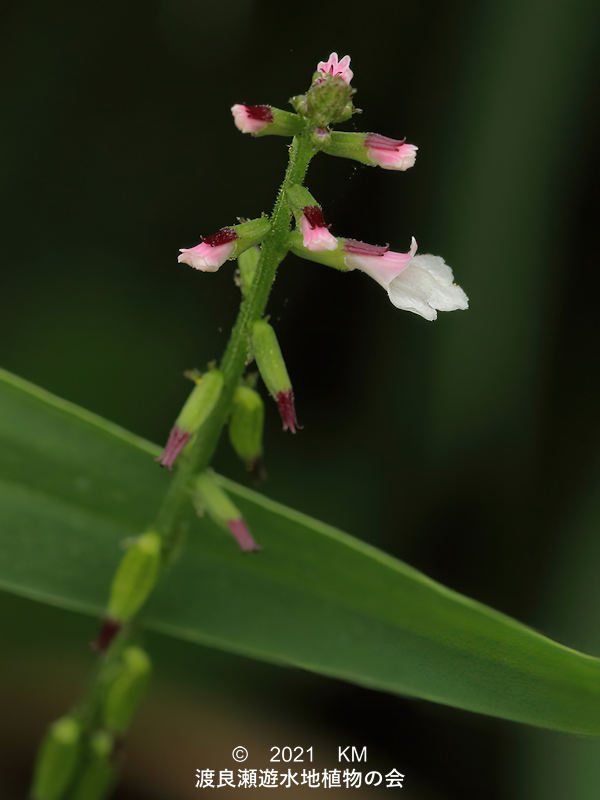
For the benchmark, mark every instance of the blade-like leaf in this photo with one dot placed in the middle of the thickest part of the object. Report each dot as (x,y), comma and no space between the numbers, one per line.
(72,486)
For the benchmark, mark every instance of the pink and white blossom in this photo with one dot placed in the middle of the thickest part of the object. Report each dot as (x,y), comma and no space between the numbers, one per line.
(390,153)
(211,253)
(335,67)
(422,284)
(250,119)
(315,233)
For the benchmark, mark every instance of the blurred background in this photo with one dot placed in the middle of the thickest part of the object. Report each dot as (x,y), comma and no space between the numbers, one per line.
(467,447)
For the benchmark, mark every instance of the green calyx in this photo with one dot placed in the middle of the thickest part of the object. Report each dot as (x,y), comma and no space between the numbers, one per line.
(284,124)
(347,145)
(135,578)
(247,263)
(208,497)
(57,759)
(246,425)
(330,258)
(97,773)
(125,692)
(269,358)
(201,402)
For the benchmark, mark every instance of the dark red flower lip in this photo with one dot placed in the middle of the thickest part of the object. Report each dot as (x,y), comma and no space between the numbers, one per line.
(365,249)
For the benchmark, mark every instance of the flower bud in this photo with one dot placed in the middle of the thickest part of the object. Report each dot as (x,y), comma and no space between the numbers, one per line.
(195,412)
(246,425)
(57,759)
(273,372)
(265,120)
(225,244)
(372,149)
(247,263)
(135,578)
(97,773)
(329,100)
(126,690)
(208,496)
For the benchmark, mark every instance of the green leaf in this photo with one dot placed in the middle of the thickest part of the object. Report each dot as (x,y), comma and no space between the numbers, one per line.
(73,486)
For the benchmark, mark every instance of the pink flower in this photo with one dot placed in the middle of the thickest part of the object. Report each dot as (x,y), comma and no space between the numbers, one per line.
(421,284)
(390,153)
(315,233)
(211,253)
(335,67)
(250,119)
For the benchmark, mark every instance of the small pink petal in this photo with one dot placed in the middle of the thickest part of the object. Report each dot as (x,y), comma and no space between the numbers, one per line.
(315,233)
(205,256)
(250,119)
(390,153)
(335,67)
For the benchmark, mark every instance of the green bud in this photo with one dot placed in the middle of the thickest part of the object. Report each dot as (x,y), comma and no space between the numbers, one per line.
(57,759)
(246,425)
(135,578)
(201,402)
(347,145)
(274,373)
(250,233)
(126,690)
(247,262)
(97,773)
(269,358)
(328,100)
(208,496)
(284,123)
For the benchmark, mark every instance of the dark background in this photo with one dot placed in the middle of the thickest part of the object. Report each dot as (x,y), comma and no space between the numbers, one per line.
(467,447)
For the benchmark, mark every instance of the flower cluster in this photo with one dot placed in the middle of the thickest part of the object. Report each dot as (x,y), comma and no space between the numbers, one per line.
(420,283)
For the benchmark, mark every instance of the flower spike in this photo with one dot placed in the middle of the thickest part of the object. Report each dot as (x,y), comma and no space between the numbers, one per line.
(335,67)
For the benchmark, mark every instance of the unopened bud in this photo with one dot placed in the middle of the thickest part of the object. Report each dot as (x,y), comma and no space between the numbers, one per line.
(248,262)
(372,149)
(329,100)
(135,578)
(57,759)
(208,496)
(265,120)
(246,425)
(195,412)
(126,690)
(274,373)
(97,772)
